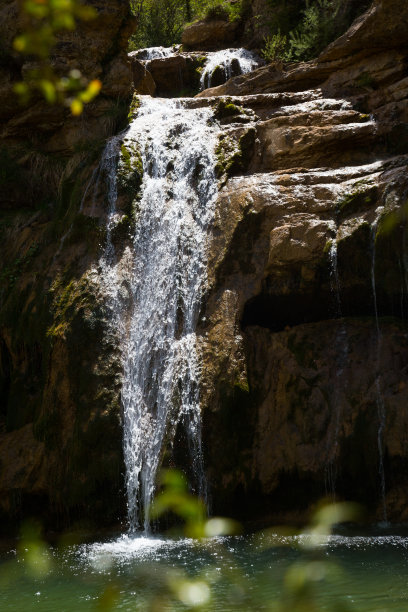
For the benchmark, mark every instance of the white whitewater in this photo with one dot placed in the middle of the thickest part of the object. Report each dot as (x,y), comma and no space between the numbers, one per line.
(247,61)
(167,279)
(151,53)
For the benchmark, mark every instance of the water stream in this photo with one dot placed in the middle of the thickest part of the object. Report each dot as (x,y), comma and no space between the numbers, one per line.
(166,277)
(232,61)
(381,411)
(342,348)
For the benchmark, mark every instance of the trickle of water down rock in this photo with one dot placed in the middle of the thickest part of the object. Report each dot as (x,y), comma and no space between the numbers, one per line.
(166,279)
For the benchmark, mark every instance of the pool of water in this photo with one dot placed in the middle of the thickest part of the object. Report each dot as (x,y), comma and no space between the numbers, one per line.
(266,571)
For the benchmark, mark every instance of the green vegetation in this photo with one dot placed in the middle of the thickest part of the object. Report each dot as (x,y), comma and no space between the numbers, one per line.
(134,107)
(301,29)
(358,200)
(130,169)
(161,22)
(42,21)
(275,48)
(233,157)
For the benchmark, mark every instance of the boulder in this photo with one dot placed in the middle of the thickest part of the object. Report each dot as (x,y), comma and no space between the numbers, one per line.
(143,81)
(209,35)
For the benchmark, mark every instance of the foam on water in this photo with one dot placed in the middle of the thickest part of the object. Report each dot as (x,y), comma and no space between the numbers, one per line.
(247,61)
(151,53)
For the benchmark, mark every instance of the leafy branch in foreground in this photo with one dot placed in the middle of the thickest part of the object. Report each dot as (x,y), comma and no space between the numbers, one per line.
(42,21)
(303,580)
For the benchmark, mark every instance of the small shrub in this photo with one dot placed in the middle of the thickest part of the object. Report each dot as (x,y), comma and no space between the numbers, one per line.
(276,48)
(218,11)
(309,25)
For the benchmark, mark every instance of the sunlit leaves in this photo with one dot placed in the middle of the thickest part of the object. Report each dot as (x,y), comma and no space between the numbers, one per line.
(175,497)
(33,550)
(43,20)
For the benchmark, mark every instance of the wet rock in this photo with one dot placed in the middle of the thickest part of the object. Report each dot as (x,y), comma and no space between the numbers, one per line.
(142,78)
(58,394)
(310,218)
(294,246)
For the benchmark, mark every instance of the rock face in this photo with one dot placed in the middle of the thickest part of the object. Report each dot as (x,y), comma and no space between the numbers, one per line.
(174,75)
(209,35)
(59,399)
(303,332)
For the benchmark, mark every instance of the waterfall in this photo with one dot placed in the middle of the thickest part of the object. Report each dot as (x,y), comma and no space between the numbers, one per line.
(167,278)
(341,362)
(245,62)
(381,412)
(151,53)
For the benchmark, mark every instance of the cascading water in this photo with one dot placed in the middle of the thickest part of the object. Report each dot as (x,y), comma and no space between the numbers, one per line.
(341,361)
(167,278)
(379,396)
(245,60)
(151,53)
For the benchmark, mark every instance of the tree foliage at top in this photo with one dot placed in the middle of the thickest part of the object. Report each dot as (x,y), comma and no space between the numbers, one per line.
(161,22)
(301,29)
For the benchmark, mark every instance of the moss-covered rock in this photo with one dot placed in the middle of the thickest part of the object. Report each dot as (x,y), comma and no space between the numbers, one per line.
(130,169)
(234,157)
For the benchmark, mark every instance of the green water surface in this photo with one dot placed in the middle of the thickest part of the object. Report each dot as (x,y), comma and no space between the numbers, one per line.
(266,571)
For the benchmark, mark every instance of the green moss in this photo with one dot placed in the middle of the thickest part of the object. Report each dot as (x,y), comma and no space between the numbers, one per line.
(67,299)
(225,108)
(359,200)
(232,157)
(130,169)
(366,81)
(246,144)
(327,247)
(242,385)
(390,220)
(134,107)
(303,351)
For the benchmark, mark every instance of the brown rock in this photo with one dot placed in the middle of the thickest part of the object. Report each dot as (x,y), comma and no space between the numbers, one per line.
(169,73)
(273,289)
(311,209)
(142,78)
(209,35)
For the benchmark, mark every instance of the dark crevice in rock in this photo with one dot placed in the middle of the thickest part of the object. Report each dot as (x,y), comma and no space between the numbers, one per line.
(277,312)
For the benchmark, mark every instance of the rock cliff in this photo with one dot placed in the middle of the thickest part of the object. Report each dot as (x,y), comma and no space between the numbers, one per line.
(60,434)
(304,328)
(304,331)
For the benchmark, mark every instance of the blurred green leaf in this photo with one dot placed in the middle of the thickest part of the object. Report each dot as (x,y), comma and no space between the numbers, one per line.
(43,20)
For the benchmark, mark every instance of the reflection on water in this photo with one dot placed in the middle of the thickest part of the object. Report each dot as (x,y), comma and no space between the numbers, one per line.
(365,573)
